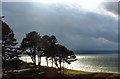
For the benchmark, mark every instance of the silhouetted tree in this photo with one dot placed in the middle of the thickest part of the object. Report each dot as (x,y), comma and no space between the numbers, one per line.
(48,43)
(53,42)
(64,55)
(31,43)
(40,54)
(56,52)
(10,59)
(8,42)
(61,51)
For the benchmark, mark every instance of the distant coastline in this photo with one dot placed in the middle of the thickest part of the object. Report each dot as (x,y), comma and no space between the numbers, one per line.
(97,51)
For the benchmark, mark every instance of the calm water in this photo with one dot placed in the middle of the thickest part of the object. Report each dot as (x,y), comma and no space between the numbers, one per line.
(96,63)
(92,63)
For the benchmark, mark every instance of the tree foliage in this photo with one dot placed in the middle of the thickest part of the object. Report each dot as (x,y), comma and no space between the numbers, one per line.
(64,55)
(10,59)
(8,42)
(31,43)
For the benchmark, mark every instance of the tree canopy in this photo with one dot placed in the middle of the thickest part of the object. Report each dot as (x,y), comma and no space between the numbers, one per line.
(31,42)
(8,41)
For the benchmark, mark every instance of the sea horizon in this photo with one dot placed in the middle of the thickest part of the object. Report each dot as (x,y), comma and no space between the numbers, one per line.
(96,51)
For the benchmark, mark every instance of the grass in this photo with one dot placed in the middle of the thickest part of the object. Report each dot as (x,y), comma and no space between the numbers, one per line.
(49,72)
(91,75)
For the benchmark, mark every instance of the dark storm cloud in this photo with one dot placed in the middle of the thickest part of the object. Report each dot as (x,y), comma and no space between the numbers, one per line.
(75,28)
(111,7)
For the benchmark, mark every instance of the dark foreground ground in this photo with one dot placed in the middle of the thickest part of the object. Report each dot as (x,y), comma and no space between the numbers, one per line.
(51,73)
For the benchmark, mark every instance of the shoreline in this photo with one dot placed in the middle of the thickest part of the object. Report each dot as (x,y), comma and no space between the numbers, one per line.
(95,71)
(85,68)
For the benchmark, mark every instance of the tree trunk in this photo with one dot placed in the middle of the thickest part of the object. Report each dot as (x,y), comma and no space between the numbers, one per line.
(60,63)
(63,64)
(47,61)
(56,62)
(52,61)
(39,62)
(34,56)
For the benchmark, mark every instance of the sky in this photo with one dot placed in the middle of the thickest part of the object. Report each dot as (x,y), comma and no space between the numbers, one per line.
(77,24)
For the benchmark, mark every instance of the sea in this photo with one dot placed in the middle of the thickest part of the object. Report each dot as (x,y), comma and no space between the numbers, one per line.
(87,62)
(97,63)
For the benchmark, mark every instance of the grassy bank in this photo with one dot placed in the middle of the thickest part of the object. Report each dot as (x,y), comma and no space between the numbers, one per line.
(49,72)
(91,75)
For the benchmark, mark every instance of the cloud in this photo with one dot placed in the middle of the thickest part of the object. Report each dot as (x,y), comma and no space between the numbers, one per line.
(75,28)
(111,7)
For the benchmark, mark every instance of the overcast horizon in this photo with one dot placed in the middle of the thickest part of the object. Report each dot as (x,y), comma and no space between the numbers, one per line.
(76,25)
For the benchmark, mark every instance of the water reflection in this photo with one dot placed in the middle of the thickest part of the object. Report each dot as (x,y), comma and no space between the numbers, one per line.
(94,63)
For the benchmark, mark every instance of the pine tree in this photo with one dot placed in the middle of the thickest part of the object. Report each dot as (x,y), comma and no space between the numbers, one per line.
(8,42)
